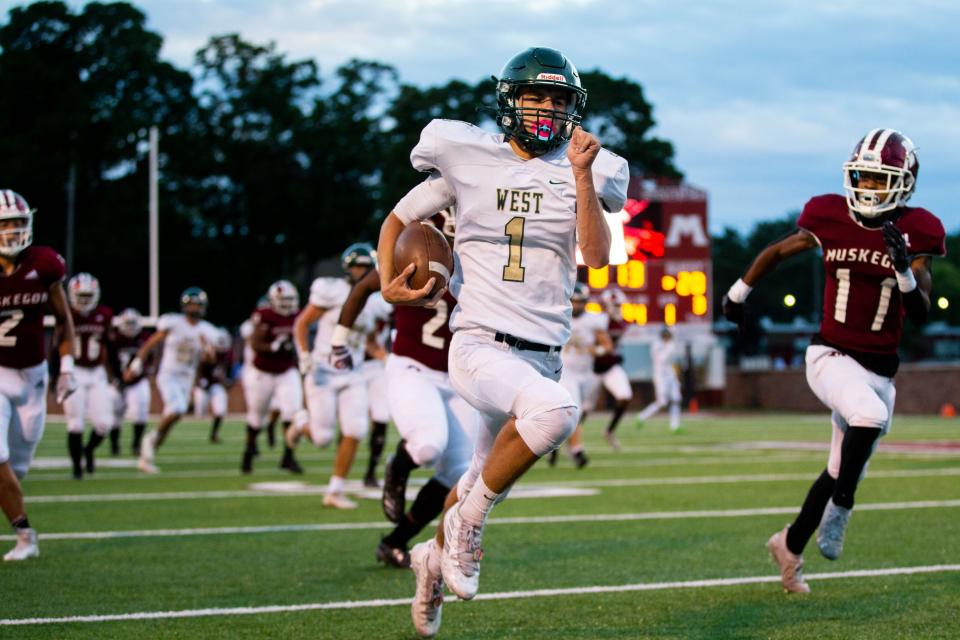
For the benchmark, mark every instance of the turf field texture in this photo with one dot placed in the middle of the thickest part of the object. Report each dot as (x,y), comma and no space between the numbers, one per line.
(664,539)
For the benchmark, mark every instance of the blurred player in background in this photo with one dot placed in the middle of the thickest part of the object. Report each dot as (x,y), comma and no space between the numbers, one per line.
(372,370)
(588,340)
(31,283)
(93,326)
(877,255)
(129,336)
(666,382)
(273,379)
(436,425)
(246,333)
(187,338)
(608,366)
(336,396)
(524,199)
(213,380)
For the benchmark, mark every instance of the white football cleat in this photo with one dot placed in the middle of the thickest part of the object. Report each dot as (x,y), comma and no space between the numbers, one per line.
(791,565)
(460,560)
(148,449)
(338,501)
(833,527)
(26,546)
(427,607)
(147,467)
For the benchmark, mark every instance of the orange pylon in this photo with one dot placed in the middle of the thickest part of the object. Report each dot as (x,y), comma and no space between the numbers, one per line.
(948,411)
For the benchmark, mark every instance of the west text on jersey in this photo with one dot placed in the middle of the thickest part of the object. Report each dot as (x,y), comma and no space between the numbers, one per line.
(517,201)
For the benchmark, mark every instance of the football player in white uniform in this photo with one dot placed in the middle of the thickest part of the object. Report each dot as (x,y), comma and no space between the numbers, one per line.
(588,339)
(373,371)
(187,338)
(666,383)
(336,395)
(524,199)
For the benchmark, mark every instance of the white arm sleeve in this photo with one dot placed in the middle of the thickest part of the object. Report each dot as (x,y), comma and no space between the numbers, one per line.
(425,199)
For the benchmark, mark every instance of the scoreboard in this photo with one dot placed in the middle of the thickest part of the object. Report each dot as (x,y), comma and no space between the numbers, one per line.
(667,274)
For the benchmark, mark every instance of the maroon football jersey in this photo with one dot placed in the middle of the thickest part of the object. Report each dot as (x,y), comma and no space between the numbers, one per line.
(280,331)
(862,306)
(604,363)
(92,333)
(424,334)
(127,348)
(24,297)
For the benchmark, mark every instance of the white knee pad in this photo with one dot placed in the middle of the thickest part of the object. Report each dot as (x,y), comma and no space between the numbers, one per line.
(426,454)
(545,431)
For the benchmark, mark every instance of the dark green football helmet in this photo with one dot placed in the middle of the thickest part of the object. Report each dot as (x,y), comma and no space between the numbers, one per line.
(194,295)
(359,254)
(545,129)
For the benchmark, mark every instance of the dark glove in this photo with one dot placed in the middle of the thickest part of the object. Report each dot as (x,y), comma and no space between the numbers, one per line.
(896,247)
(340,358)
(733,311)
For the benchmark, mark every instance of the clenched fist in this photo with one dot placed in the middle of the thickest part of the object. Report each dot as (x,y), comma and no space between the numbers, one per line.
(582,150)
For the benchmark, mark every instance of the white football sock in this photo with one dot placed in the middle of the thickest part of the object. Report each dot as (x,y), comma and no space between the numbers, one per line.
(336,485)
(478,502)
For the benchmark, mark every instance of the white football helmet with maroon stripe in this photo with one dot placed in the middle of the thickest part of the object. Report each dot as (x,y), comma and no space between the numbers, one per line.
(284,298)
(83,292)
(892,156)
(16,223)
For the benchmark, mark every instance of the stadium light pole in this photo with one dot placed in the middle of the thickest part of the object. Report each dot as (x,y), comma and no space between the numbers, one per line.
(154,211)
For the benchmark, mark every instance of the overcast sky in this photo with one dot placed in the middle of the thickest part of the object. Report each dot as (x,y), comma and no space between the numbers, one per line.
(763,100)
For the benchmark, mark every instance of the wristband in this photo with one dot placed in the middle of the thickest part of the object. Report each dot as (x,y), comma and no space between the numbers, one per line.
(66,364)
(739,291)
(340,335)
(136,366)
(906,281)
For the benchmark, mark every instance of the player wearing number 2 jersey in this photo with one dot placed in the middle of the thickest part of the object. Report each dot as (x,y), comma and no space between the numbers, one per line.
(876,254)
(92,400)
(31,283)
(436,425)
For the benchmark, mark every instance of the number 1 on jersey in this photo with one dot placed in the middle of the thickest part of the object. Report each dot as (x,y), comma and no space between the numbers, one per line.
(843,296)
(513,271)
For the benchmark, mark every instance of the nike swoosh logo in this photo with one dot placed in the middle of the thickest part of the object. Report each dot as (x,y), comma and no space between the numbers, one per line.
(559,370)
(557,181)
(491,498)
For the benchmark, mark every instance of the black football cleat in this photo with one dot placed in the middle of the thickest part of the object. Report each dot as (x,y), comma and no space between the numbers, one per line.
(580,459)
(370,481)
(88,459)
(290,463)
(552,458)
(397,557)
(246,466)
(394,499)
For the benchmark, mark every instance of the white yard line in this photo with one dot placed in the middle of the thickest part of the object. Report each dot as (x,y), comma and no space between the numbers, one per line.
(559,519)
(624,482)
(505,595)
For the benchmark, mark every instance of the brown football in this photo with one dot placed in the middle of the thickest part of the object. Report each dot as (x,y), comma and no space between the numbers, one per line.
(425,246)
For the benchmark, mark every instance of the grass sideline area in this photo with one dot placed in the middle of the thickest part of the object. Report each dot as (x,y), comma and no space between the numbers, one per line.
(664,539)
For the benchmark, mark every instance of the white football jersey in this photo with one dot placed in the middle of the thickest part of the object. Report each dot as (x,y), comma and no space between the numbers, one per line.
(184,343)
(576,354)
(664,355)
(330,294)
(514,252)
